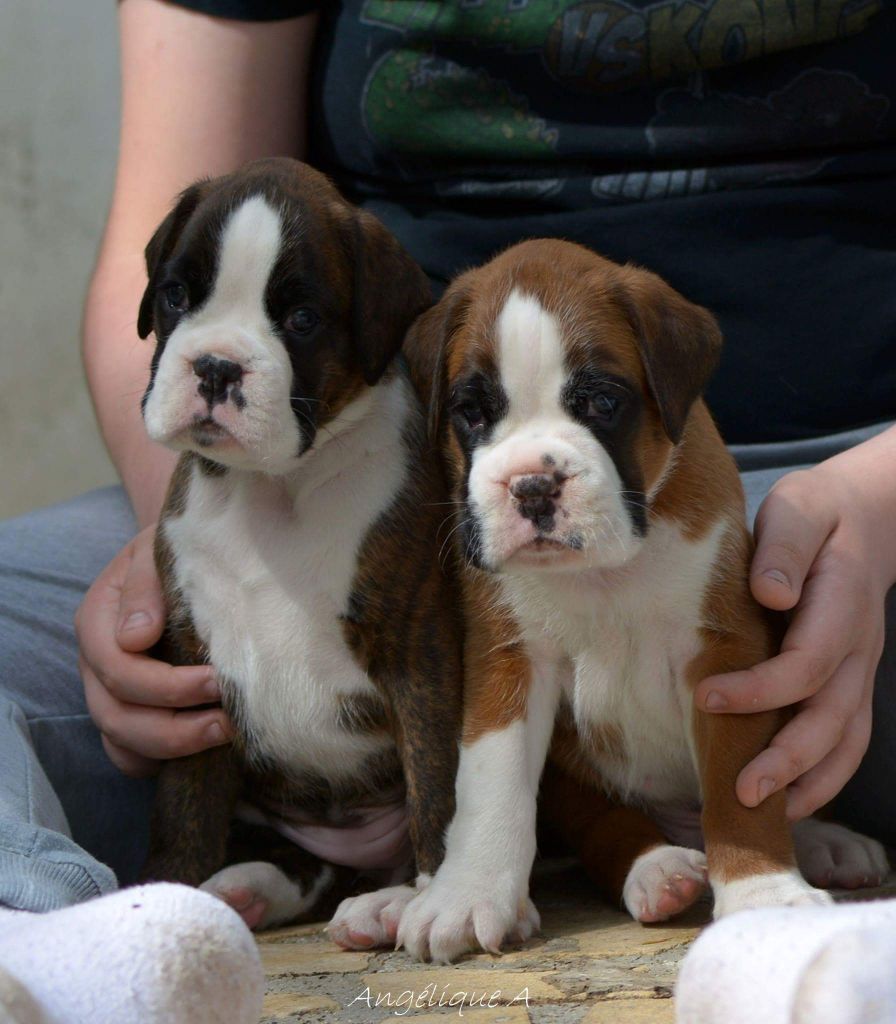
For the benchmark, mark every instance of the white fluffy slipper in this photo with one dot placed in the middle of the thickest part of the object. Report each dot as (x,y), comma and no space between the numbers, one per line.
(154,954)
(793,965)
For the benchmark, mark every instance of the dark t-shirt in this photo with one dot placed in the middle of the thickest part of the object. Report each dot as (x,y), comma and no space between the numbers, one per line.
(744,149)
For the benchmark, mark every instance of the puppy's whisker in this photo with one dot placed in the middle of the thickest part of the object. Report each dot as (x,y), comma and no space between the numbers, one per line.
(457,514)
(451,533)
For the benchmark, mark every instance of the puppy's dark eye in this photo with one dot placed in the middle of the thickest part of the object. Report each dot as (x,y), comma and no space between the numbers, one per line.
(176,297)
(472,413)
(475,404)
(599,406)
(602,407)
(302,321)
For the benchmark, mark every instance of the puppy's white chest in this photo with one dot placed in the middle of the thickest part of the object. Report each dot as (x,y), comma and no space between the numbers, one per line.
(632,707)
(629,641)
(266,576)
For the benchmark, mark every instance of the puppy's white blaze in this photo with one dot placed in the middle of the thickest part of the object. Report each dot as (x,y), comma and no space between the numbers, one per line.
(531,358)
(250,243)
(234,316)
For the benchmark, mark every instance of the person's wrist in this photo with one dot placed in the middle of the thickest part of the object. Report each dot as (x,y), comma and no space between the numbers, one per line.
(861,487)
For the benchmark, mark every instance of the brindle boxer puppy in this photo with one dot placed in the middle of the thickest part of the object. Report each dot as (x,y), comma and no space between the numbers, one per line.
(298,551)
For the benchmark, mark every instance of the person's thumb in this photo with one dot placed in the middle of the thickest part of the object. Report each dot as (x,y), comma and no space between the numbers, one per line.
(789,534)
(141,614)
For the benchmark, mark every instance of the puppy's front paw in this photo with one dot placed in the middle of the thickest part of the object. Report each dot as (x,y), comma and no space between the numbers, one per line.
(832,856)
(263,895)
(663,882)
(776,889)
(371,919)
(448,919)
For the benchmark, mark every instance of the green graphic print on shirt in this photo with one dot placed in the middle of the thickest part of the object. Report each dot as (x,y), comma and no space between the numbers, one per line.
(417,101)
(420,103)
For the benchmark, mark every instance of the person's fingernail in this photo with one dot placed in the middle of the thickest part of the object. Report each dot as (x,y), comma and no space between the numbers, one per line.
(766,788)
(715,701)
(215,734)
(136,620)
(777,576)
(212,690)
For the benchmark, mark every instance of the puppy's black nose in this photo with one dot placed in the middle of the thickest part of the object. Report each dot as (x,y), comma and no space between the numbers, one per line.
(215,377)
(536,485)
(537,494)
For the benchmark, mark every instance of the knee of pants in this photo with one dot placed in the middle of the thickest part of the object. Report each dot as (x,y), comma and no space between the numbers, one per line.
(48,559)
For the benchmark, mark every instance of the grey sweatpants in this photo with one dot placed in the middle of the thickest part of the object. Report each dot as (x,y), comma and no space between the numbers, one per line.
(72,826)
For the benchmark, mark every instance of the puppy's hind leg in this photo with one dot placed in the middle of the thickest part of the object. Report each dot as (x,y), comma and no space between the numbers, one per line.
(288,885)
(833,856)
(623,851)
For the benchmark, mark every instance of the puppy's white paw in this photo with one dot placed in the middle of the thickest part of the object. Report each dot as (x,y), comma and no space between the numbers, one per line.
(371,919)
(775,889)
(263,895)
(663,882)
(832,856)
(450,918)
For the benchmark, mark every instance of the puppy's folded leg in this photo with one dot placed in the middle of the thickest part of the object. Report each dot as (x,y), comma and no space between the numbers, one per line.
(833,856)
(623,851)
(270,880)
(265,896)
(749,850)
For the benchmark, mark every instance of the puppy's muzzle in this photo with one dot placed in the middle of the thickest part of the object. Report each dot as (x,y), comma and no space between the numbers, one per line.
(536,496)
(218,380)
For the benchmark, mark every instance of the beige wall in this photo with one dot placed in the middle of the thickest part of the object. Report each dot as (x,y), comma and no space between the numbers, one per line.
(58,128)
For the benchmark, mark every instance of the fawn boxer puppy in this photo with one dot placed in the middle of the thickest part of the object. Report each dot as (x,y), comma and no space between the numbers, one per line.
(297,547)
(601,521)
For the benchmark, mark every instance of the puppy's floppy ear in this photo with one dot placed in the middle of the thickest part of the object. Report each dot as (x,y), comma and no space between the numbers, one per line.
(427,346)
(390,290)
(159,249)
(679,341)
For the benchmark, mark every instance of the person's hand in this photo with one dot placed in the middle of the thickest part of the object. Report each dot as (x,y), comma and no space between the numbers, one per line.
(134,699)
(820,553)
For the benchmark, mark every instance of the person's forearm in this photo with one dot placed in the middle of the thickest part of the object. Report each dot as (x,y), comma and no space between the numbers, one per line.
(200,96)
(117,366)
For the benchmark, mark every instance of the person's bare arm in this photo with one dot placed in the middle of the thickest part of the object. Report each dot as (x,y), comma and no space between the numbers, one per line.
(200,96)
